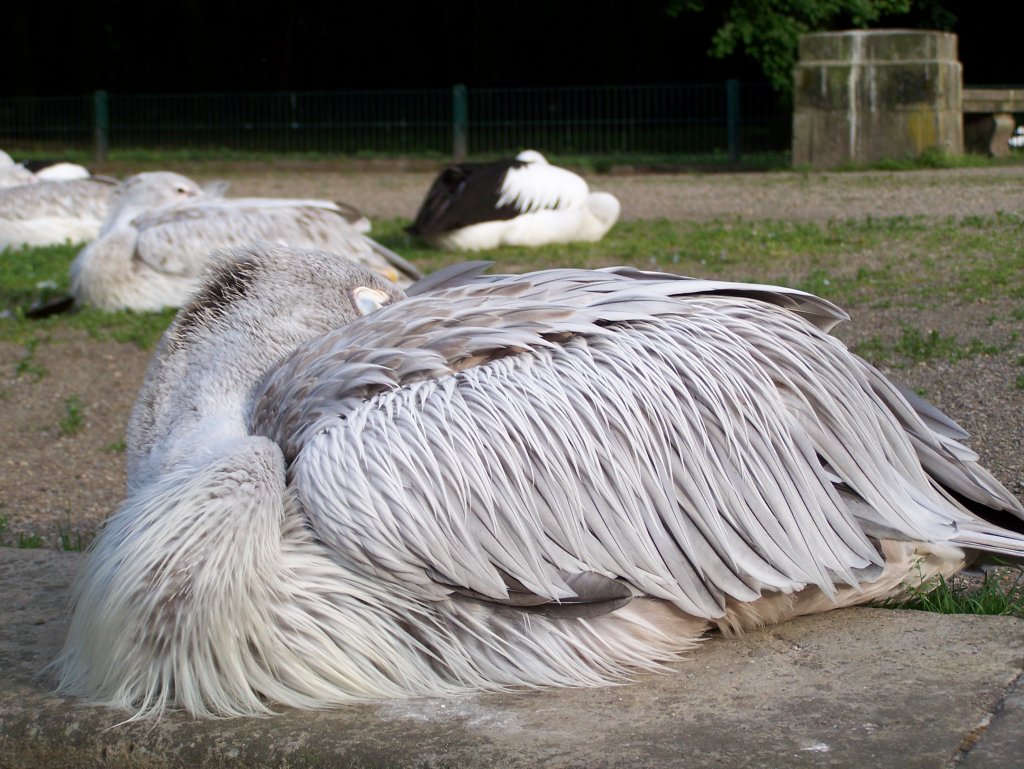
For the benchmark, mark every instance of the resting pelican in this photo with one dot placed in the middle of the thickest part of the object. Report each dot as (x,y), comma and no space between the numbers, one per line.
(31,171)
(162,230)
(53,212)
(521,201)
(337,494)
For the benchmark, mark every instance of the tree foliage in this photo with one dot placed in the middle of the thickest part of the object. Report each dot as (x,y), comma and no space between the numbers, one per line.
(769,30)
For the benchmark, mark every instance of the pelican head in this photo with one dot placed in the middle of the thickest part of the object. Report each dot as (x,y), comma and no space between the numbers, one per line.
(149,190)
(257,294)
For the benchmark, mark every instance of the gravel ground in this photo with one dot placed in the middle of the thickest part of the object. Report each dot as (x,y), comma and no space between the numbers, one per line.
(53,481)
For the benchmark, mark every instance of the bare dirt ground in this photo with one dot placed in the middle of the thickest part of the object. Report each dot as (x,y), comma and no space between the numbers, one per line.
(52,480)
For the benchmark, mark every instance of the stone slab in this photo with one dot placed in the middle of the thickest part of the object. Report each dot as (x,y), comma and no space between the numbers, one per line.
(861,96)
(859,687)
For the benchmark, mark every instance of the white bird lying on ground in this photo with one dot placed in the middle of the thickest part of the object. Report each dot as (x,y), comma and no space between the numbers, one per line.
(546,479)
(521,201)
(31,171)
(53,212)
(162,230)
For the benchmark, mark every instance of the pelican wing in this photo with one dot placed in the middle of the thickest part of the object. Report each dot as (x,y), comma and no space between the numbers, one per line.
(179,239)
(462,195)
(470,193)
(694,440)
(81,197)
(540,187)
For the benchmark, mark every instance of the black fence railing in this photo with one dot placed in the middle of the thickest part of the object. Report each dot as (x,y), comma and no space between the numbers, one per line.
(717,119)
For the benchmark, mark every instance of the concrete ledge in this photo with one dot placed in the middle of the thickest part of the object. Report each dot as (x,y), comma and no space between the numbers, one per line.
(861,687)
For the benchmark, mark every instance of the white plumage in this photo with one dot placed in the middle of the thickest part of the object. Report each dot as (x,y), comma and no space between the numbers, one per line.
(523,201)
(162,230)
(15,174)
(546,479)
(53,212)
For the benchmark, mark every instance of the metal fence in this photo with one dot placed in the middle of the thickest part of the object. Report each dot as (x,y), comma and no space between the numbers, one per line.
(722,119)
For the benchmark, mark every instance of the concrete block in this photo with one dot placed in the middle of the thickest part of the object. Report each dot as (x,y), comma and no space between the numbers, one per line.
(866,95)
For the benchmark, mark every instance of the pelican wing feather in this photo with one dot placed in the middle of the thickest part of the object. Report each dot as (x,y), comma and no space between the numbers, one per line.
(467,194)
(691,439)
(464,194)
(534,187)
(80,197)
(179,239)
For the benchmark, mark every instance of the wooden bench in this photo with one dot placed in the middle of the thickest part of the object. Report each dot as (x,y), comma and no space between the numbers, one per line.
(988,119)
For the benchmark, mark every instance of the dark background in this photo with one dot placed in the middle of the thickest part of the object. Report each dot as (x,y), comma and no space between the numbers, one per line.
(129,46)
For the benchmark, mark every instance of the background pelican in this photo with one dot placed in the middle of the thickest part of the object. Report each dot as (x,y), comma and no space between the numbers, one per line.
(521,201)
(546,479)
(31,171)
(52,212)
(162,230)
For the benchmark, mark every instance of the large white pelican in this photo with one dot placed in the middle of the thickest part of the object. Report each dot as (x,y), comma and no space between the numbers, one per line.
(162,229)
(546,479)
(53,212)
(521,201)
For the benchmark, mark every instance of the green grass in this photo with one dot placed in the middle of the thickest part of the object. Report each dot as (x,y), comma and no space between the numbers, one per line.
(27,365)
(930,158)
(116,447)
(917,346)
(74,416)
(72,540)
(23,272)
(994,596)
(29,541)
(953,260)
(67,539)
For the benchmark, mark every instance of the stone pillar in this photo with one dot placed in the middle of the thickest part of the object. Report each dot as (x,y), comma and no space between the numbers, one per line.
(866,95)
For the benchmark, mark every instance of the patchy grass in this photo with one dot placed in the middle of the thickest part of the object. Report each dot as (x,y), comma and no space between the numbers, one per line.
(74,416)
(996,595)
(116,447)
(67,539)
(931,158)
(934,263)
(29,541)
(917,346)
(27,365)
(72,540)
(31,275)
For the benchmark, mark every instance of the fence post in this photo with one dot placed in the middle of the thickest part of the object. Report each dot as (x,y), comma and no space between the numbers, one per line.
(732,118)
(460,122)
(101,124)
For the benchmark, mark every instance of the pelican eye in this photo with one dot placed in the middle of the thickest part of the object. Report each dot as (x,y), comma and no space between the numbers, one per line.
(368,300)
